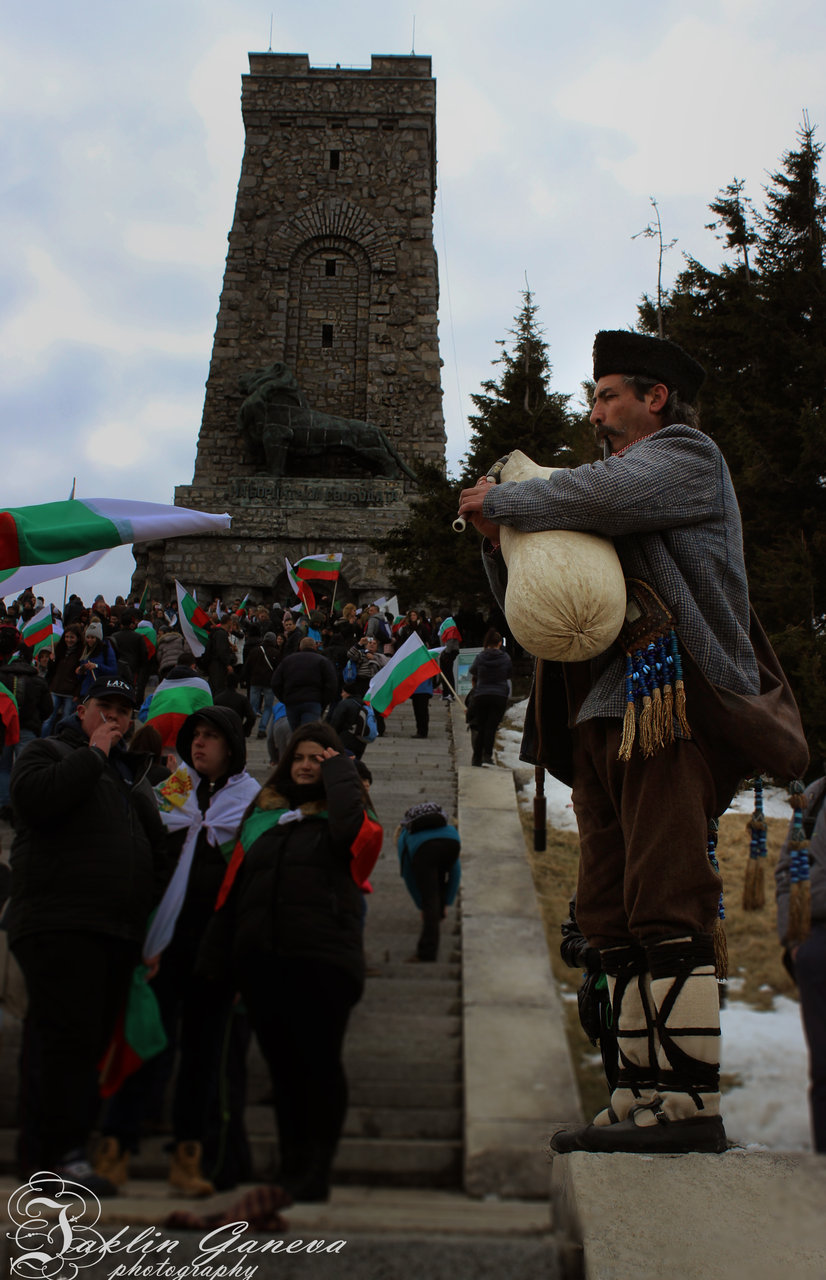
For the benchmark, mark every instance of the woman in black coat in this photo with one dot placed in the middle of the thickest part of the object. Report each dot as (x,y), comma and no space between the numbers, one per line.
(288,935)
(491,673)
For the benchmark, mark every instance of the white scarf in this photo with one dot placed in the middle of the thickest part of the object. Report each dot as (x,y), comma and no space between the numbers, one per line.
(178,806)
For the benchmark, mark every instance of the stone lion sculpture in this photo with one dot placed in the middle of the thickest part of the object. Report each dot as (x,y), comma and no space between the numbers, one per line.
(278,421)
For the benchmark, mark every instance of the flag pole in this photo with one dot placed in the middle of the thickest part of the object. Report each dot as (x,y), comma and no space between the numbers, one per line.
(456,695)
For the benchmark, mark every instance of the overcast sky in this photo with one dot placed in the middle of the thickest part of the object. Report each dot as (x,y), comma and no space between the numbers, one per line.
(120,160)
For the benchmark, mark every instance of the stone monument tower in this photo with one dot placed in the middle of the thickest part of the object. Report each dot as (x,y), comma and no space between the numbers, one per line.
(324,390)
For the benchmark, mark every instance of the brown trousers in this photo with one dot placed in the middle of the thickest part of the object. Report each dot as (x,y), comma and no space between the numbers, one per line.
(644,871)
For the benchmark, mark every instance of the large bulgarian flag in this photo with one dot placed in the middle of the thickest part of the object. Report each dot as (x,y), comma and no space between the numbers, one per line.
(194,621)
(173,701)
(327,567)
(402,675)
(38,632)
(55,532)
(300,588)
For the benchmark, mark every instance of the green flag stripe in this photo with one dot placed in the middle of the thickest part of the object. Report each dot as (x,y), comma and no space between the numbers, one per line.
(178,701)
(53,531)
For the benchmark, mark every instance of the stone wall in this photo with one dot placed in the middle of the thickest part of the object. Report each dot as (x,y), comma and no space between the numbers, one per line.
(331,268)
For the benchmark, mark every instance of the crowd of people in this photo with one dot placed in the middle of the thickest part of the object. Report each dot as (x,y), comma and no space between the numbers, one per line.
(142,862)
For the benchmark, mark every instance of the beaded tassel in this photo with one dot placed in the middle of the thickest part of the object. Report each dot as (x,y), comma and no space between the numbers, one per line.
(679,686)
(629,723)
(800,904)
(653,688)
(665,664)
(718,933)
(754,886)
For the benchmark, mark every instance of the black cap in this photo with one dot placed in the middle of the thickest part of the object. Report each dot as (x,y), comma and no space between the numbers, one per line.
(113,687)
(638,355)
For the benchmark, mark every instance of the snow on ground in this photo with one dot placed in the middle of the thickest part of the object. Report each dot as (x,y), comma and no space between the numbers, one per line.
(765,1049)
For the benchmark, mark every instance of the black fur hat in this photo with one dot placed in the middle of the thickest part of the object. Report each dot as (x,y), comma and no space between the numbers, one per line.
(638,355)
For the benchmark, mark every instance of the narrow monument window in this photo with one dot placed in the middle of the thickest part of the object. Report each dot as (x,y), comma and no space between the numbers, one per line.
(335,159)
(329,266)
(326,335)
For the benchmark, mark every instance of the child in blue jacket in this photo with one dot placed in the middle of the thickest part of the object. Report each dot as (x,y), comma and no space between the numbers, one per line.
(429,849)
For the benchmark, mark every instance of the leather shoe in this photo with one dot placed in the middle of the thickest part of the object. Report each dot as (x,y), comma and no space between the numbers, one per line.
(666,1137)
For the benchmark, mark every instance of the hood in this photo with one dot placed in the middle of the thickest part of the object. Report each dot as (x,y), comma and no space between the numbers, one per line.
(230,725)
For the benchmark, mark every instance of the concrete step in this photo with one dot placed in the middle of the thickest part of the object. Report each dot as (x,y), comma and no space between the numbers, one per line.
(408,1093)
(433,1069)
(371,1120)
(405,1162)
(388,994)
(442,971)
(397,1162)
(384,946)
(415,1036)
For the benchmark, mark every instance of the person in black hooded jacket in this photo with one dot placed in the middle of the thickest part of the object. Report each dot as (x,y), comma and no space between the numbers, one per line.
(195,1012)
(288,933)
(88,864)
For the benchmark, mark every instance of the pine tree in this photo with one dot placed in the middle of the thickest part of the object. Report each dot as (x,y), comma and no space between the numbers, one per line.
(519,410)
(427,561)
(758,325)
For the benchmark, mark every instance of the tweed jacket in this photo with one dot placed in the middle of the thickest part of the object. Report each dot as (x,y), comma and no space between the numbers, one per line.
(668,503)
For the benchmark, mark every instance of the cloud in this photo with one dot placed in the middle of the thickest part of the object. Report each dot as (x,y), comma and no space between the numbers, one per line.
(149,432)
(58,310)
(700,105)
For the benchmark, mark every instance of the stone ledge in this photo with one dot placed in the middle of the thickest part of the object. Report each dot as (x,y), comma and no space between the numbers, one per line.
(745,1215)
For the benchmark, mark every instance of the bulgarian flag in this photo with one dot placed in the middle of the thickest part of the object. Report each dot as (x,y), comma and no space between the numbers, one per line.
(138,1036)
(38,632)
(149,636)
(398,622)
(401,676)
(143,603)
(9,717)
(54,533)
(173,701)
(242,608)
(364,851)
(449,631)
(194,622)
(301,589)
(327,567)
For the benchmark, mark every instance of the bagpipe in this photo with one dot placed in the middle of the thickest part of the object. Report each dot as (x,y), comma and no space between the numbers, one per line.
(565,598)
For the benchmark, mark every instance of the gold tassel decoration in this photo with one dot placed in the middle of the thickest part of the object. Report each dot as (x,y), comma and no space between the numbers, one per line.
(668,715)
(646,716)
(754,884)
(718,936)
(629,732)
(656,719)
(679,707)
